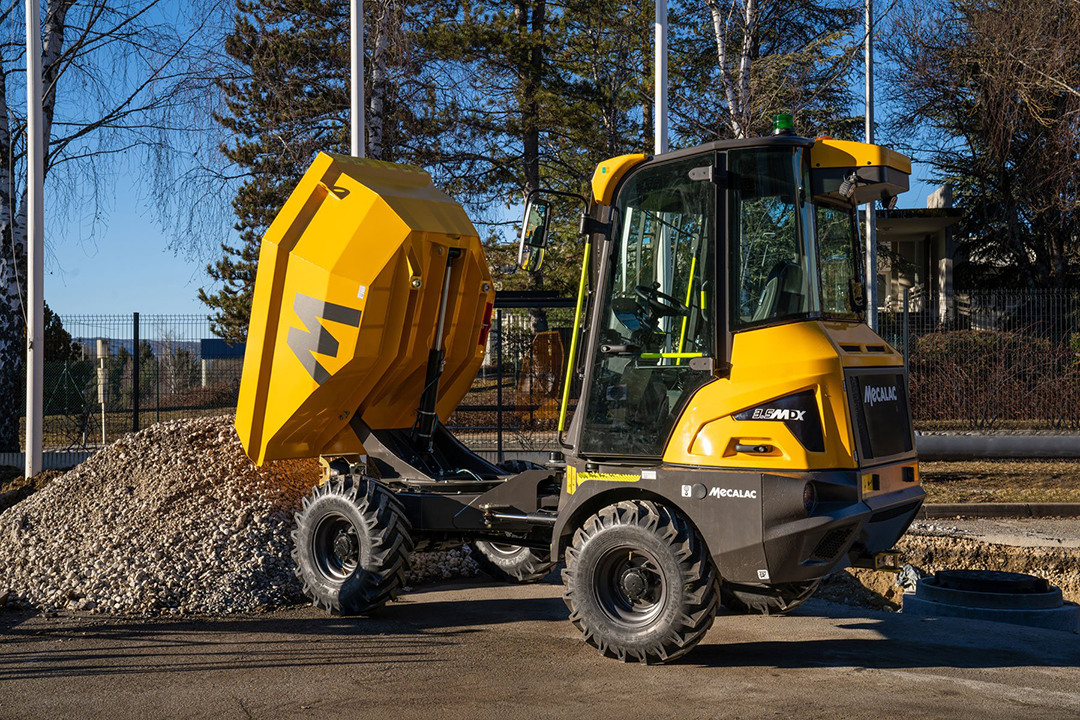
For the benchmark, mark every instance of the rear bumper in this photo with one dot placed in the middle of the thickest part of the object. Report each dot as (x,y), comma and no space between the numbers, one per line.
(845,526)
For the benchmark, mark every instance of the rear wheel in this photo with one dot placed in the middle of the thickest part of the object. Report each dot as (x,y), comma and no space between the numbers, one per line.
(767,600)
(351,546)
(639,583)
(511,563)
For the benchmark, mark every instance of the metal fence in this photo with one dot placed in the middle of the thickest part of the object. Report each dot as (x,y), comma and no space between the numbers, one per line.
(1000,360)
(106,375)
(991,360)
(513,406)
(95,390)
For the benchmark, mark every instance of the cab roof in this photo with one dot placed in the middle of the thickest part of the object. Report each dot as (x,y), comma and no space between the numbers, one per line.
(826,154)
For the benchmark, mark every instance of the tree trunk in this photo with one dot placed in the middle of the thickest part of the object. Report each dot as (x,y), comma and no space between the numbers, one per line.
(376,122)
(737,94)
(12,327)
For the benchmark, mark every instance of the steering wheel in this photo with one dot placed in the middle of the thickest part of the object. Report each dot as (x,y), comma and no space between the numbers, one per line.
(660,304)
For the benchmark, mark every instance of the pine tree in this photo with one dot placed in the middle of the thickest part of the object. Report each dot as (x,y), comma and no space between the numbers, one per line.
(288,104)
(289,100)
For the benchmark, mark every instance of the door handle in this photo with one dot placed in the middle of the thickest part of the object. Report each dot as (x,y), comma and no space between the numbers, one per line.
(620,349)
(753,449)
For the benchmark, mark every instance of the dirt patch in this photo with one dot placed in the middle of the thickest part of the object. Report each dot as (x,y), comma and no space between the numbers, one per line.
(862,588)
(15,488)
(1001,481)
(930,553)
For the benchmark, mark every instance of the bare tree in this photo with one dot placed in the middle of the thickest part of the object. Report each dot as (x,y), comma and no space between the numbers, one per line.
(384,26)
(768,56)
(988,94)
(737,85)
(117,80)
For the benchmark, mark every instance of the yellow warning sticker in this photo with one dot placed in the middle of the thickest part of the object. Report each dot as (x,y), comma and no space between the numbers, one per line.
(575,478)
(867,482)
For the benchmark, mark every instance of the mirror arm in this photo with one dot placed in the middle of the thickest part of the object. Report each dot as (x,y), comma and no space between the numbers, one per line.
(590,226)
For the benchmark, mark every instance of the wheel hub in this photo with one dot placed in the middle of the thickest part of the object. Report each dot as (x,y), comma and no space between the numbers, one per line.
(634,584)
(335,547)
(345,547)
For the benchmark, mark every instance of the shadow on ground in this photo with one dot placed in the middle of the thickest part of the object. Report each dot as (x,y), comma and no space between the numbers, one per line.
(898,642)
(439,626)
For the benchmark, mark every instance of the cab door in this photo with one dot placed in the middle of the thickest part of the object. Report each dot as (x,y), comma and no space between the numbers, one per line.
(654,335)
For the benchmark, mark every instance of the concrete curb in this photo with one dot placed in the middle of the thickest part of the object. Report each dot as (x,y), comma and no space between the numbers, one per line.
(999,510)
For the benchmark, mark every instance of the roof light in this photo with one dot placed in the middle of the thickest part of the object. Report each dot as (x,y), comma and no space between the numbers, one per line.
(783,124)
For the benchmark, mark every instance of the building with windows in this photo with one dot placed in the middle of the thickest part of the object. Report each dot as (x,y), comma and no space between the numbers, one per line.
(920,250)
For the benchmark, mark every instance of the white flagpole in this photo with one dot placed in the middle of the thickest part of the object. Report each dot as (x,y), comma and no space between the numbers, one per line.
(660,82)
(871,212)
(356,72)
(35,220)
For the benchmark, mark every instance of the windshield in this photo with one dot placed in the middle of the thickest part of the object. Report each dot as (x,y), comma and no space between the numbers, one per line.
(778,270)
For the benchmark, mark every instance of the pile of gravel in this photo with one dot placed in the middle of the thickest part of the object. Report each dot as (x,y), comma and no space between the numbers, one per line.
(172,519)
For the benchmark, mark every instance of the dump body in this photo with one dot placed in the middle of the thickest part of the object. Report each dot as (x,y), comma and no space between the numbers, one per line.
(347,295)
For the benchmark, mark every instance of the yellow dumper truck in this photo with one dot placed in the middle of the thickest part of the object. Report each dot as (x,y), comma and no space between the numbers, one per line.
(740,432)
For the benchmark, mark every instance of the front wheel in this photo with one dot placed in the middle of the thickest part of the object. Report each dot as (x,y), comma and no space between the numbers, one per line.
(351,546)
(639,583)
(511,563)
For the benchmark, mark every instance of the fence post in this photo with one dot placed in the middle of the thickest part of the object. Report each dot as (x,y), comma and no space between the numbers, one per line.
(907,322)
(103,380)
(135,375)
(498,384)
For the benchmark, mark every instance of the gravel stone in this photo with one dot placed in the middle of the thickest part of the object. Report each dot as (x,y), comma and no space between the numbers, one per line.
(173,519)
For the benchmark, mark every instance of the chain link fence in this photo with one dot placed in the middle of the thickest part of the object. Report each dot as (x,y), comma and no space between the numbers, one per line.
(991,361)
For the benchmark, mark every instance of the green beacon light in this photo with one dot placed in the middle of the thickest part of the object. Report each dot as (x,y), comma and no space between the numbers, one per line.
(783,124)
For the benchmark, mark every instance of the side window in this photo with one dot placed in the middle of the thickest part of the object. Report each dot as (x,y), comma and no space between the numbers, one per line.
(839,258)
(656,310)
(772,264)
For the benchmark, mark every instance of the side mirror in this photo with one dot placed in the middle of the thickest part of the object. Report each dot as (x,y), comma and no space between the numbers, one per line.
(534,234)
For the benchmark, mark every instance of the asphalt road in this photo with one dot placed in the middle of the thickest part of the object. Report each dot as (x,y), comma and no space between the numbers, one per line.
(486,651)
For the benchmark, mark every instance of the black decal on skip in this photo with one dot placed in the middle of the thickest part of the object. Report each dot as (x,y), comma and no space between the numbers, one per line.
(315,338)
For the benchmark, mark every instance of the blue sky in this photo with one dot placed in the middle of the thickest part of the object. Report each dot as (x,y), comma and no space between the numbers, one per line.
(128,267)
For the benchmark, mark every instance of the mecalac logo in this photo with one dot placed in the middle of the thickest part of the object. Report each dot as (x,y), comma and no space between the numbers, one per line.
(719,492)
(777,414)
(873,394)
(315,338)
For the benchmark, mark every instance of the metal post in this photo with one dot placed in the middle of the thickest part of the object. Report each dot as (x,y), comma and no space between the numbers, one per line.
(103,381)
(660,81)
(35,225)
(135,374)
(498,384)
(356,72)
(871,212)
(907,323)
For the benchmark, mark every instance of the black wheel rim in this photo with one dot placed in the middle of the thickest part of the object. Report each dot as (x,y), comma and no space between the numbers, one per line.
(630,586)
(335,546)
